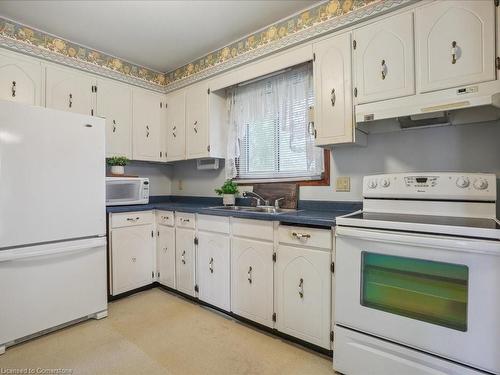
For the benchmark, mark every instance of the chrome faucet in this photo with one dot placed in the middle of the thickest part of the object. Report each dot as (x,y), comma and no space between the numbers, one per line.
(257,197)
(277,202)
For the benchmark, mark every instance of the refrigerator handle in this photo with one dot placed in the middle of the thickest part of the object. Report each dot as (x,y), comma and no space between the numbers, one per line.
(17,254)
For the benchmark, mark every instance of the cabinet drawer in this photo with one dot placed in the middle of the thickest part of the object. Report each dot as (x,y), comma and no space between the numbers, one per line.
(129,219)
(184,220)
(165,218)
(258,229)
(310,237)
(211,223)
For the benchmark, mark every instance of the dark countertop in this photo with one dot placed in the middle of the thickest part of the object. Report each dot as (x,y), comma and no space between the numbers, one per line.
(308,213)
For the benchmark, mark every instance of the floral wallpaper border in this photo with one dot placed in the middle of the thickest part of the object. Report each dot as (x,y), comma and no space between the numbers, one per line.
(324,17)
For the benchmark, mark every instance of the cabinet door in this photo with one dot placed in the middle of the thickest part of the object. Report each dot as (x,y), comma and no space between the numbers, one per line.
(20,80)
(384,59)
(197,121)
(332,85)
(213,269)
(252,280)
(131,257)
(455,43)
(165,255)
(146,144)
(176,130)
(184,259)
(114,103)
(303,292)
(69,91)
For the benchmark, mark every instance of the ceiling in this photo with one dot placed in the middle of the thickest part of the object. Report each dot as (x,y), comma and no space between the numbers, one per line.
(161,35)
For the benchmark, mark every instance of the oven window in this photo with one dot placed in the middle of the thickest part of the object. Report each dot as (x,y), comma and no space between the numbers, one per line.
(434,292)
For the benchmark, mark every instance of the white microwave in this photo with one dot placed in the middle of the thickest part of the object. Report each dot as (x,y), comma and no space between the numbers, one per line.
(126,190)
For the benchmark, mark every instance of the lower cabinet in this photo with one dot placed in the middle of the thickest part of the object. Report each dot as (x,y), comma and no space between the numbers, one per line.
(252,280)
(132,261)
(213,267)
(185,260)
(303,293)
(165,255)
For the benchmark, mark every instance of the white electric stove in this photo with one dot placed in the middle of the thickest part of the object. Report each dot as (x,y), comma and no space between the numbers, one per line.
(418,277)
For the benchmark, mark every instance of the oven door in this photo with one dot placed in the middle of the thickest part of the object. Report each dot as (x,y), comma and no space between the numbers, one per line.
(439,294)
(124,191)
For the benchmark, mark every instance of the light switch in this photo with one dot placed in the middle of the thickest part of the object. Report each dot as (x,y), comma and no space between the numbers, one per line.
(343,184)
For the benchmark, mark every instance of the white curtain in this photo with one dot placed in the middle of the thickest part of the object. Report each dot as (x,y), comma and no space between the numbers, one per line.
(285,98)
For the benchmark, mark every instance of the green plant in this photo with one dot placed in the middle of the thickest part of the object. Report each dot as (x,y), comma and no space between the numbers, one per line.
(117,160)
(229,187)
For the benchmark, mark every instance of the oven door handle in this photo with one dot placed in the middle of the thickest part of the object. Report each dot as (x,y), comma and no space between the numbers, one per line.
(480,246)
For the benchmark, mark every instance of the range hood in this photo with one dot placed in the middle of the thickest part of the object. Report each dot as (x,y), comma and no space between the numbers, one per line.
(462,105)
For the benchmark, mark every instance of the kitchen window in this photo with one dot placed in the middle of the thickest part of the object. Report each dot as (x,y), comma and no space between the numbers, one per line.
(269,134)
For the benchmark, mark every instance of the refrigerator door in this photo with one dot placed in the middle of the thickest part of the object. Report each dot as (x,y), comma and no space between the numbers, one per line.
(52,173)
(44,286)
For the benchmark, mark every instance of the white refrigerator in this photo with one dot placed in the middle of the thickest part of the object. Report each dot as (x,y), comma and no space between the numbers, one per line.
(52,220)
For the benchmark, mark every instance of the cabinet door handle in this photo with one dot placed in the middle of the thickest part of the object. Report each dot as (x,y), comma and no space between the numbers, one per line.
(70,102)
(383,69)
(147,131)
(114,126)
(132,219)
(13,89)
(301,236)
(250,274)
(195,127)
(211,265)
(454,50)
(333,97)
(301,288)
(183,259)
(134,259)
(174,131)
(165,249)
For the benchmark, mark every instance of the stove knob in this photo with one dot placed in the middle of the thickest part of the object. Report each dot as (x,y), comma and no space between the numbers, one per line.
(372,184)
(385,182)
(463,182)
(480,184)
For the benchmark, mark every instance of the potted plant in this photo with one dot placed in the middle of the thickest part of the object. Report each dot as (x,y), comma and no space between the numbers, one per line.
(228,191)
(117,164)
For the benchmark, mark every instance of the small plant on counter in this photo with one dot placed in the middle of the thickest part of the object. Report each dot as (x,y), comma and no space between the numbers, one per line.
(117,164)
(228,191)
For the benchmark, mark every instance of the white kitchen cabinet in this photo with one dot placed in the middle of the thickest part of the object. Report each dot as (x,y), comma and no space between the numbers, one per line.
(146,124)
(132,252)
(383,54)
(114,103)
(165,255)
(175,126)
(333,120)
(185,260)
(213,268)
(20,79)
(252,280)
(303,285)
(197,121)
(455,43)
(70,90)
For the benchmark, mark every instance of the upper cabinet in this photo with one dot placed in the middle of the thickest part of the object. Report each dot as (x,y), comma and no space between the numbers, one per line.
(197,144)
(333,120)
(147,110)
(20,79)
(114,103)
(384,59)
(70,90)
(455,43)
(175,126)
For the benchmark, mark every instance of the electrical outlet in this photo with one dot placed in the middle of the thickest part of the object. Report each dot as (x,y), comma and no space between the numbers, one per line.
(180,185)
(343,184)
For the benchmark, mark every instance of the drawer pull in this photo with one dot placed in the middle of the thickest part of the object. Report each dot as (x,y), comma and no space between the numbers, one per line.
(211,265)
(301,288)
(185,220)
(183,259)
(301,236)
(132,219)
(250,274)
(164,217)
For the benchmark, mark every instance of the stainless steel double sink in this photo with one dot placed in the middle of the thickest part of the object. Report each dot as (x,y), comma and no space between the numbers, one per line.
(262,209)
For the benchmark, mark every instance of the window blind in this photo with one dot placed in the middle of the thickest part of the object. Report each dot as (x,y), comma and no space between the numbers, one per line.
(270,137)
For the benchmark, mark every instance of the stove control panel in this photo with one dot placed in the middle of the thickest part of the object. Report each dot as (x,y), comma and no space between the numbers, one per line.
(431,186)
